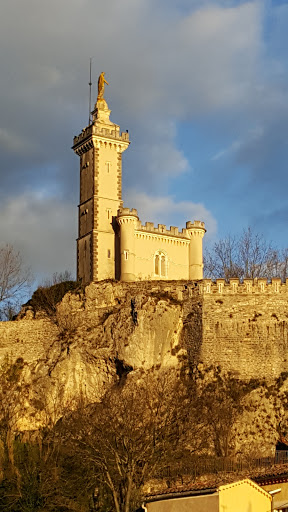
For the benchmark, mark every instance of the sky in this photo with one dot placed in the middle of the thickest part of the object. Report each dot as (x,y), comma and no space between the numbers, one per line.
(202,87)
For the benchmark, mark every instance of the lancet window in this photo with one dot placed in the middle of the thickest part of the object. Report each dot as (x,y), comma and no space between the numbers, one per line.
(160,264)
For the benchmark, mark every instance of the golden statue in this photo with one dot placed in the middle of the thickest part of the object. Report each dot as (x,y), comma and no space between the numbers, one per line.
(101,86)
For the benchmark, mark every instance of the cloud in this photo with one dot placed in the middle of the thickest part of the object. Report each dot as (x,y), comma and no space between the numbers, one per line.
(13,143)
(192,63)
(165,209)
(251,137)
(175,69)
(41,228)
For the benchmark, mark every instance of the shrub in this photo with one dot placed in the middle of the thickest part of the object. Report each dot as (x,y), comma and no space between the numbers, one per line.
(46,298)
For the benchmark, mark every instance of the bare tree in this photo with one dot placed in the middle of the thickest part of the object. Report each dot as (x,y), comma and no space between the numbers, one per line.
(57,278)
(15,279)
(255,254)
(282,264)
(248,256)
(134,430)
(222,261)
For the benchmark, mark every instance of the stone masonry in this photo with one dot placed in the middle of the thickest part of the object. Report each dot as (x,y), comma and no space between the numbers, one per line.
(241,327)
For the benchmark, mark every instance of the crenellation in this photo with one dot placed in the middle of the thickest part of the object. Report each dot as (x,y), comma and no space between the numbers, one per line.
(162,230)
(127,212)
(220,285)
(276,284)
(196,224)
(234,285)
(247,286)
(174,230)
(102,132)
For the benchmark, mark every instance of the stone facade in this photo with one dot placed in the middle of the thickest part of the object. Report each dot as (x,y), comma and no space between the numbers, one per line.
(112,242)
(245,326)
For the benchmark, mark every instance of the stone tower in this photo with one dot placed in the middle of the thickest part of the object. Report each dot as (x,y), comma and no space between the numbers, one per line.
(100,147)
(112,241)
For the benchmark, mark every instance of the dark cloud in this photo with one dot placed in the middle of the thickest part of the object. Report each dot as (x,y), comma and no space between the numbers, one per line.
(167,63)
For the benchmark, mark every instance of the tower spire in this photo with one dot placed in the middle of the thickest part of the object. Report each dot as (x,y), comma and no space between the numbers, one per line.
(90,91)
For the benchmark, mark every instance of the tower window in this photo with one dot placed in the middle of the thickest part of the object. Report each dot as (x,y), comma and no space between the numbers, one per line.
(126,255)
(109,214)
(109,253)
(160,264)
(108,167)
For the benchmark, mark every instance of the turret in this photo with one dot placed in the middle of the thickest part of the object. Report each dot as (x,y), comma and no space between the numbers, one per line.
(127,220)
(196,232)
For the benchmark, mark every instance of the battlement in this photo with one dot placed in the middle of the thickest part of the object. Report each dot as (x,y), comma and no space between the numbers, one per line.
(127,211)
(198,224)
(93,129)
(161,229)
(248,286)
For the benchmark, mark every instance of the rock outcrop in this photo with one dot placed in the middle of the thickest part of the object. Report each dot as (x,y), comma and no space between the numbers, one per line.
(110,329)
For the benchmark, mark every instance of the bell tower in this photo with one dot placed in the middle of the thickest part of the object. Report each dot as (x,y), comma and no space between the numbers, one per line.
(99,146)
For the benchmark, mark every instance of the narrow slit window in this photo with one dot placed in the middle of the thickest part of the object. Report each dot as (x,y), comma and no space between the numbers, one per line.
(126,255)
(163,266)
(160,264)
(108,167)
(109,253)
(157,257)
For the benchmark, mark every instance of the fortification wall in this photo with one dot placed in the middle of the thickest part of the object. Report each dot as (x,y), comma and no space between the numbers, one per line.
(162,230)
(245,326)
(27,338)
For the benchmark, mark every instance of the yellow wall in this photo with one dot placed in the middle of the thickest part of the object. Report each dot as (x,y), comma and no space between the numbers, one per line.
(176,251)
(243,496)
(107,179)
(106,264)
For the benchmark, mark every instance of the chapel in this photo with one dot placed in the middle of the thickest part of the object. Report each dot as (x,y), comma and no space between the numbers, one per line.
(112,242)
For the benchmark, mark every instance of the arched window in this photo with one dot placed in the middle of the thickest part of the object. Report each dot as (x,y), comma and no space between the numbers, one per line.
(160,264)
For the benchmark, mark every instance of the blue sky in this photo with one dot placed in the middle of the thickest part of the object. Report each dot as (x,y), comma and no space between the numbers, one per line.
(202,87)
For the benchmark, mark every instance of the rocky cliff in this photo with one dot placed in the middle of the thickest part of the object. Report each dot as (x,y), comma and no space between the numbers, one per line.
(103,333)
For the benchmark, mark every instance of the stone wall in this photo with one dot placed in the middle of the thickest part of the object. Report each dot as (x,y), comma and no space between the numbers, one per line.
(27,338)
(241,327)
(245,326)
(113,328)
